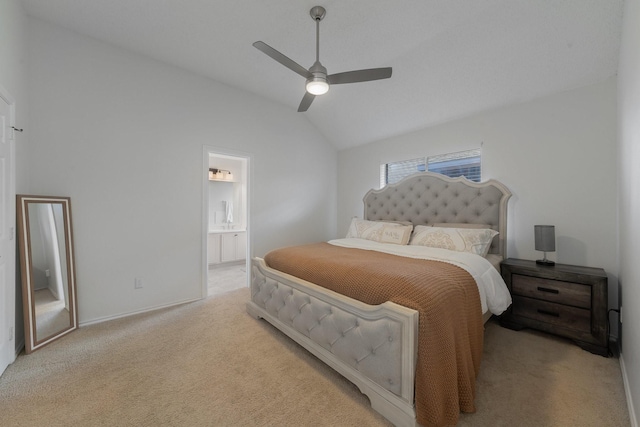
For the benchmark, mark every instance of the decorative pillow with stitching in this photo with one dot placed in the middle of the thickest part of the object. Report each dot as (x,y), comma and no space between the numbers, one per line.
(474,240)
(380,231)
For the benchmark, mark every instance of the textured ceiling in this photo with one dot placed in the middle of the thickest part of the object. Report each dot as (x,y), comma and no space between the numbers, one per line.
(450,58)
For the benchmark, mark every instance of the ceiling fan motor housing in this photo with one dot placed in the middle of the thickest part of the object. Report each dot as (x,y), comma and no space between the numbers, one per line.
(318,84)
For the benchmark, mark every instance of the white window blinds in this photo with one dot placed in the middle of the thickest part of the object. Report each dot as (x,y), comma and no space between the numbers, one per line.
(396,171)
(463,163)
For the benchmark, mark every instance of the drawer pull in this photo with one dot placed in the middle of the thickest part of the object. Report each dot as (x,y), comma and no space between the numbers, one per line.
(549,290)
(549,313)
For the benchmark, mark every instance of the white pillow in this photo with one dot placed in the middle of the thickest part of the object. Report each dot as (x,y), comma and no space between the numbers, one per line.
(476,241)
(380,231)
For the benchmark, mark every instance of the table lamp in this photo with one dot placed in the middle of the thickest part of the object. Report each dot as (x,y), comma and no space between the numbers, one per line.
(545,237)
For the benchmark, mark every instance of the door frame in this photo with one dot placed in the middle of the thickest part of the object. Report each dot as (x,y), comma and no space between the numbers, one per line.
(8,312)
(206,152)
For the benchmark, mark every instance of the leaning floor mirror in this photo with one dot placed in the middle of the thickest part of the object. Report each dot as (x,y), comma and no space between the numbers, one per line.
(47,269)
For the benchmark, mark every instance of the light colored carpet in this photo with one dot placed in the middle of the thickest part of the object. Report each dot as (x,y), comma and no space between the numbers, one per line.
(209,363)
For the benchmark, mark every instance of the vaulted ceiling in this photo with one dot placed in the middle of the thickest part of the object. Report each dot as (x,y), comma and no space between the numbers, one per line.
(450,58)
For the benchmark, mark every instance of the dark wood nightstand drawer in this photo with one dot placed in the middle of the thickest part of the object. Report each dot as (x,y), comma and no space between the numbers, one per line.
(566,300)
(573,294)
(565,316)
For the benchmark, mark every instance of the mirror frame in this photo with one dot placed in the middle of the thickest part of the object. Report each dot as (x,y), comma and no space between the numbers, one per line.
(32,341)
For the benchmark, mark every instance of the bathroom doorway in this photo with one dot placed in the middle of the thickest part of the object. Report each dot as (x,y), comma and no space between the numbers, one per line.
(226,224)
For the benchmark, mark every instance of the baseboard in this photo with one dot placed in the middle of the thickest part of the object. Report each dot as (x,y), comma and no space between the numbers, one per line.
(133,313)
(627,392)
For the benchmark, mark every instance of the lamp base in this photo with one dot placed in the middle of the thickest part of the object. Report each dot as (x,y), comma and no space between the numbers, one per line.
(545,262)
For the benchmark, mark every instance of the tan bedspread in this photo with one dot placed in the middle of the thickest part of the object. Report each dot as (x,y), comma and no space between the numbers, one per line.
(446,297)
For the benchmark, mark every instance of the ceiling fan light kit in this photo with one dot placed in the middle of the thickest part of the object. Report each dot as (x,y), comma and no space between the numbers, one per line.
(317,80)
(317,86)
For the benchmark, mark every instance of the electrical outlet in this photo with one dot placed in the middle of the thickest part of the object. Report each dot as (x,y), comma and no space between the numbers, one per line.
(138,284)
(11,333)
(47,272)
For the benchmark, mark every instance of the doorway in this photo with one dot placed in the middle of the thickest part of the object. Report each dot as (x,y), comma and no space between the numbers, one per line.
(226,221)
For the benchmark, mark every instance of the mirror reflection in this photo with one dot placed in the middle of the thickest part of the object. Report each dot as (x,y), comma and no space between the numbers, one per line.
(46,259)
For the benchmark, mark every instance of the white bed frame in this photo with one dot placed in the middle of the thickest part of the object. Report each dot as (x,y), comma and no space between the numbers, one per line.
(375,347)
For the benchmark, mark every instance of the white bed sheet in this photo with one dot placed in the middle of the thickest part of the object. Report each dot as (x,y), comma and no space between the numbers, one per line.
(494,295)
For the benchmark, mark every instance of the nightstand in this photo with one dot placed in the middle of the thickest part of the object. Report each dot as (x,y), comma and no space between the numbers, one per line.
(565,300)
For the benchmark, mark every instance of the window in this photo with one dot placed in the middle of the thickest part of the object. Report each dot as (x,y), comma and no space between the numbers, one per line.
(391,173)
(453,165)
(462,163)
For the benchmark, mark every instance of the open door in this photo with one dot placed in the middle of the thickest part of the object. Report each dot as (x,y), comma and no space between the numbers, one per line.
(7,227)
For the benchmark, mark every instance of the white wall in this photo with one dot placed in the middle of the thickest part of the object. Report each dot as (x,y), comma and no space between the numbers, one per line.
(13,77)
(629,203)
(556,154)
(123,136)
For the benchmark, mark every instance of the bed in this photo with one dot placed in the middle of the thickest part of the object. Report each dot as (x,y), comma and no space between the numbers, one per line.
(382,347)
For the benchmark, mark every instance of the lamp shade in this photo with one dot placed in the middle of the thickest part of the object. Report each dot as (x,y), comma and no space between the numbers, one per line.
(545,237)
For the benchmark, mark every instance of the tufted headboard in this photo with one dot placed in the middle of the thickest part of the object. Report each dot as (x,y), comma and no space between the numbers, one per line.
(429,198)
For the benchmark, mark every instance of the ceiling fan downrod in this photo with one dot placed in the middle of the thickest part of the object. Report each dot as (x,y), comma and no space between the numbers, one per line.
(317,14)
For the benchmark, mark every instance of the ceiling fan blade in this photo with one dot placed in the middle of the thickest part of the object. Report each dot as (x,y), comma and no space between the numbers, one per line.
(307,99)
(287,62)
(359,76)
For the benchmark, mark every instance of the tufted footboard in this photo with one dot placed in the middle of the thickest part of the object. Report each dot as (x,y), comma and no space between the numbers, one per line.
(375,347)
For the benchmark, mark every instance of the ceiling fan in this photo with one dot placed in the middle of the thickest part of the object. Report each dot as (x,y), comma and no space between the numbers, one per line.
(317,79)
